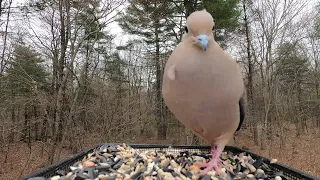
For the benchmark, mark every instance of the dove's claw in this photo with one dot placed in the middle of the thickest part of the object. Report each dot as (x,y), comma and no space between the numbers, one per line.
(213,163)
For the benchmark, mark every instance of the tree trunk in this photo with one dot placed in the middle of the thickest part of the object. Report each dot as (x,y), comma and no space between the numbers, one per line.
(61,102)
(0,7)
(36,123)
(26,128)
(250,65)
(190,6)
(255,133)
(2,62)
(44,129)
(13,120)
(161,121)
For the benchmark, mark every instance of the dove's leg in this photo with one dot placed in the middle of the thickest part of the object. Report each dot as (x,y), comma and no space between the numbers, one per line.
(213,163)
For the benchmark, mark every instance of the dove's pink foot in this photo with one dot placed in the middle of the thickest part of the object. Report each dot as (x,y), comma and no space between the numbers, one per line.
(213,163)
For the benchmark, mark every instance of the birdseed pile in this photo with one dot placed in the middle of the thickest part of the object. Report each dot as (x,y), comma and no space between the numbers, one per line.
(113,162)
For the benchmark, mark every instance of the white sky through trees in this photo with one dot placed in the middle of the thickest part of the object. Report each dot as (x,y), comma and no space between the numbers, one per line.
(18,24)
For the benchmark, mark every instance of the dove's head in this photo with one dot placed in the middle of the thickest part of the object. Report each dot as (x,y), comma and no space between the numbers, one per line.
(200,25)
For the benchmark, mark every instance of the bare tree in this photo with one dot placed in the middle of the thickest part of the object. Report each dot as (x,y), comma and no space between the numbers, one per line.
(5,33)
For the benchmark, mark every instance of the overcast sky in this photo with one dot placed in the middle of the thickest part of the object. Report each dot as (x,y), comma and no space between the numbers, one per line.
(113,28)
(15,22)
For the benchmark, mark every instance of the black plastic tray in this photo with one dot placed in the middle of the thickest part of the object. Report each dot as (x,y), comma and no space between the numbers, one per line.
(49,171)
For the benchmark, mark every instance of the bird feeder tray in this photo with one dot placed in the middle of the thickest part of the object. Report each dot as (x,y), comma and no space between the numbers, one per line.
(103,159)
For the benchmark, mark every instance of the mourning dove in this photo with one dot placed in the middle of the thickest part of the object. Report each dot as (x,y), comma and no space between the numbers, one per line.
(203,87)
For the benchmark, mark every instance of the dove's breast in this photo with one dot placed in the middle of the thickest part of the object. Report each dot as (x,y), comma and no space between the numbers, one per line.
(203,92)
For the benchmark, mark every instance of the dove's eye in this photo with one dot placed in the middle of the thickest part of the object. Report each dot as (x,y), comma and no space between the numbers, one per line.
(213,28)
(186,29)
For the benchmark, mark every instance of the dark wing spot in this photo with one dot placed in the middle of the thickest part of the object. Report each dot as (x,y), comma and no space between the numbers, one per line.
(213,27)
(242,113)
(186,29)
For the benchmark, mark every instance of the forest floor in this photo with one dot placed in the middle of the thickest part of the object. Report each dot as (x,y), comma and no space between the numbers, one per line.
(301,153)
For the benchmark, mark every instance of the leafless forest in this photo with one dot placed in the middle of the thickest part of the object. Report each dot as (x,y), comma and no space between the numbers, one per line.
(75,73)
